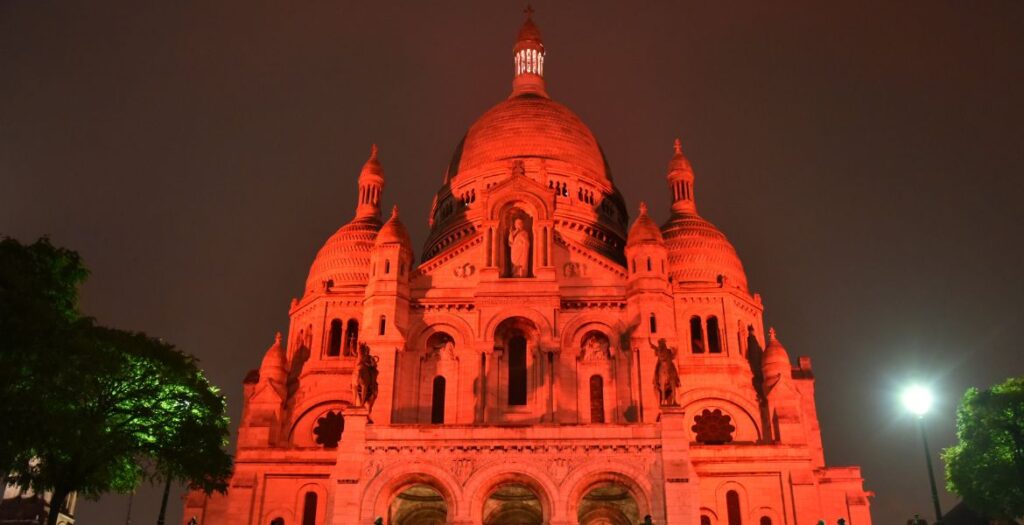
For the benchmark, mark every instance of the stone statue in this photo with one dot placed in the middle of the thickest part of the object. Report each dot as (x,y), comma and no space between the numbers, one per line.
(595,347)
(444,349)
(666,377)
(365,378)
(519,248)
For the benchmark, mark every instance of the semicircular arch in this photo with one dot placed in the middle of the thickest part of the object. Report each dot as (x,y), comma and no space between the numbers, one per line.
(586,477)
(395,478)
(485,481)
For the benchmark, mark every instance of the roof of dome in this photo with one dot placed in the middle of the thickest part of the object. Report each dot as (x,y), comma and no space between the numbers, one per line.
(644,229)
(775,355)
(529,31)
(345,257)
(700,252)
(393,231)
(530,125)
(274,360)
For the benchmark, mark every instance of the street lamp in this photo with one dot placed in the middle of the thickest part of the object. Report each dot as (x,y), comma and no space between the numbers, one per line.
(918,400)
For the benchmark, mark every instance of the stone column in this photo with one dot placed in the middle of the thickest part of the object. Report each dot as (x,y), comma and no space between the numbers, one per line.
(682,494)
(343,502)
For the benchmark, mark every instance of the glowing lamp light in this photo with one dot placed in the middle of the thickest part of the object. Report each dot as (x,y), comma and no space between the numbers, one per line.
(917,399)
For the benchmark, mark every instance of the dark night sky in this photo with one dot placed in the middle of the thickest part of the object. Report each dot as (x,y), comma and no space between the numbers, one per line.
(865,158)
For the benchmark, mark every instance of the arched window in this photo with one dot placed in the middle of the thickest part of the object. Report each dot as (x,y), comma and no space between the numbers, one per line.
(334,339)
(596,399)
(517,370)
(382,326)
(732,507)
(765,520)
(277,521)
(705,519)
(387,266)
(437,402)
(634,265)
(309,509)
(696,335)
(653,323)
(714,344)
(648,264)
(351,336)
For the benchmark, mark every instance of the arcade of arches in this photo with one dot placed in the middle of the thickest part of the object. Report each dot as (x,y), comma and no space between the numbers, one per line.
(541,360)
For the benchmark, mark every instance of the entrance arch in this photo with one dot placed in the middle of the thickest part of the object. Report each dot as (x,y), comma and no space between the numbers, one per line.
(513,504)
(418,504)
(608,504)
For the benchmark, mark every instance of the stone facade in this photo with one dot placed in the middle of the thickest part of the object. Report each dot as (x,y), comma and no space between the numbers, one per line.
(543,363)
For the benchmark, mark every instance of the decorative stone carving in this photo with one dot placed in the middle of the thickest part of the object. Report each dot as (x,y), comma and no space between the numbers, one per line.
(713,427)
(328,429)
(464,270)
(519,248)
(666,377)
(461,468)
(365,378)
(594,347)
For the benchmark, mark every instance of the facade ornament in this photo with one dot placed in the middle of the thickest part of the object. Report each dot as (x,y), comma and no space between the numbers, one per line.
(365,378)
(464,270)
(443,349)
(595,347)
(666,377)
(519,248)
(461,468)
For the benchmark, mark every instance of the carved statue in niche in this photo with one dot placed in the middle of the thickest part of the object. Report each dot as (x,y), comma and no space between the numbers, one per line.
(365,378)
(441,346)
(666,377)
(519,248)
(594,347)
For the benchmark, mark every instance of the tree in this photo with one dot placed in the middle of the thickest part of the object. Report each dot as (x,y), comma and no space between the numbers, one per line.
(100,409)
(986,466)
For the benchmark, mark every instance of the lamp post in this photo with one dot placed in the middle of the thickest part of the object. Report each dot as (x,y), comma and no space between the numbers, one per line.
(918,400)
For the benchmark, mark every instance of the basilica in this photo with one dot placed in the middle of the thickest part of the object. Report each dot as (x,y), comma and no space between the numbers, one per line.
(542,359)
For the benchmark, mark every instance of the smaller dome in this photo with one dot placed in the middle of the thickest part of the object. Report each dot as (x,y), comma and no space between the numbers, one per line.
(699,252)
(345,257)
(679,163)
(393,231)
(529,33)
(775,359)
(274,365)
(644,230)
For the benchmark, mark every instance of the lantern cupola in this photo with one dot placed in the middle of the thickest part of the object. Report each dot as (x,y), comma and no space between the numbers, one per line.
(528,55)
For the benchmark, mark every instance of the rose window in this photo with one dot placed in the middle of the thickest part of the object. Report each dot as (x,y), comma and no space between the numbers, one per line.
(328,429)
(712,427)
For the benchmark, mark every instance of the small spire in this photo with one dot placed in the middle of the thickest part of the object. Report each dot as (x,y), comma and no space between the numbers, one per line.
(277,338)
(394,211)
(771,334)
(643,208)
(528,59)
(680,180)
(374,149)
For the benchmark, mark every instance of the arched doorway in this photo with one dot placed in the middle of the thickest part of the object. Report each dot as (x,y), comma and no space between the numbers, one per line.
(418,505)
(608,504)
(513,504)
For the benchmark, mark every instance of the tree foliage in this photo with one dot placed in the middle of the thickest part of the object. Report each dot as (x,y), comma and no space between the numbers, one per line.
(97,409)
(986,466)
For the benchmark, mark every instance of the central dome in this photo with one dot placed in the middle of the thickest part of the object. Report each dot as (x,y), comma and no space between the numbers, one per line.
(530,125)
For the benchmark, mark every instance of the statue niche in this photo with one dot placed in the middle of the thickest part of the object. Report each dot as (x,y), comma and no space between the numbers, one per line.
(517,227)
(595,347)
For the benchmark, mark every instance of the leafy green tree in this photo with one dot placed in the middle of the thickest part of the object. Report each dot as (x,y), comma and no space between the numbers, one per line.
(986,466)
(38,310)
(100,409)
